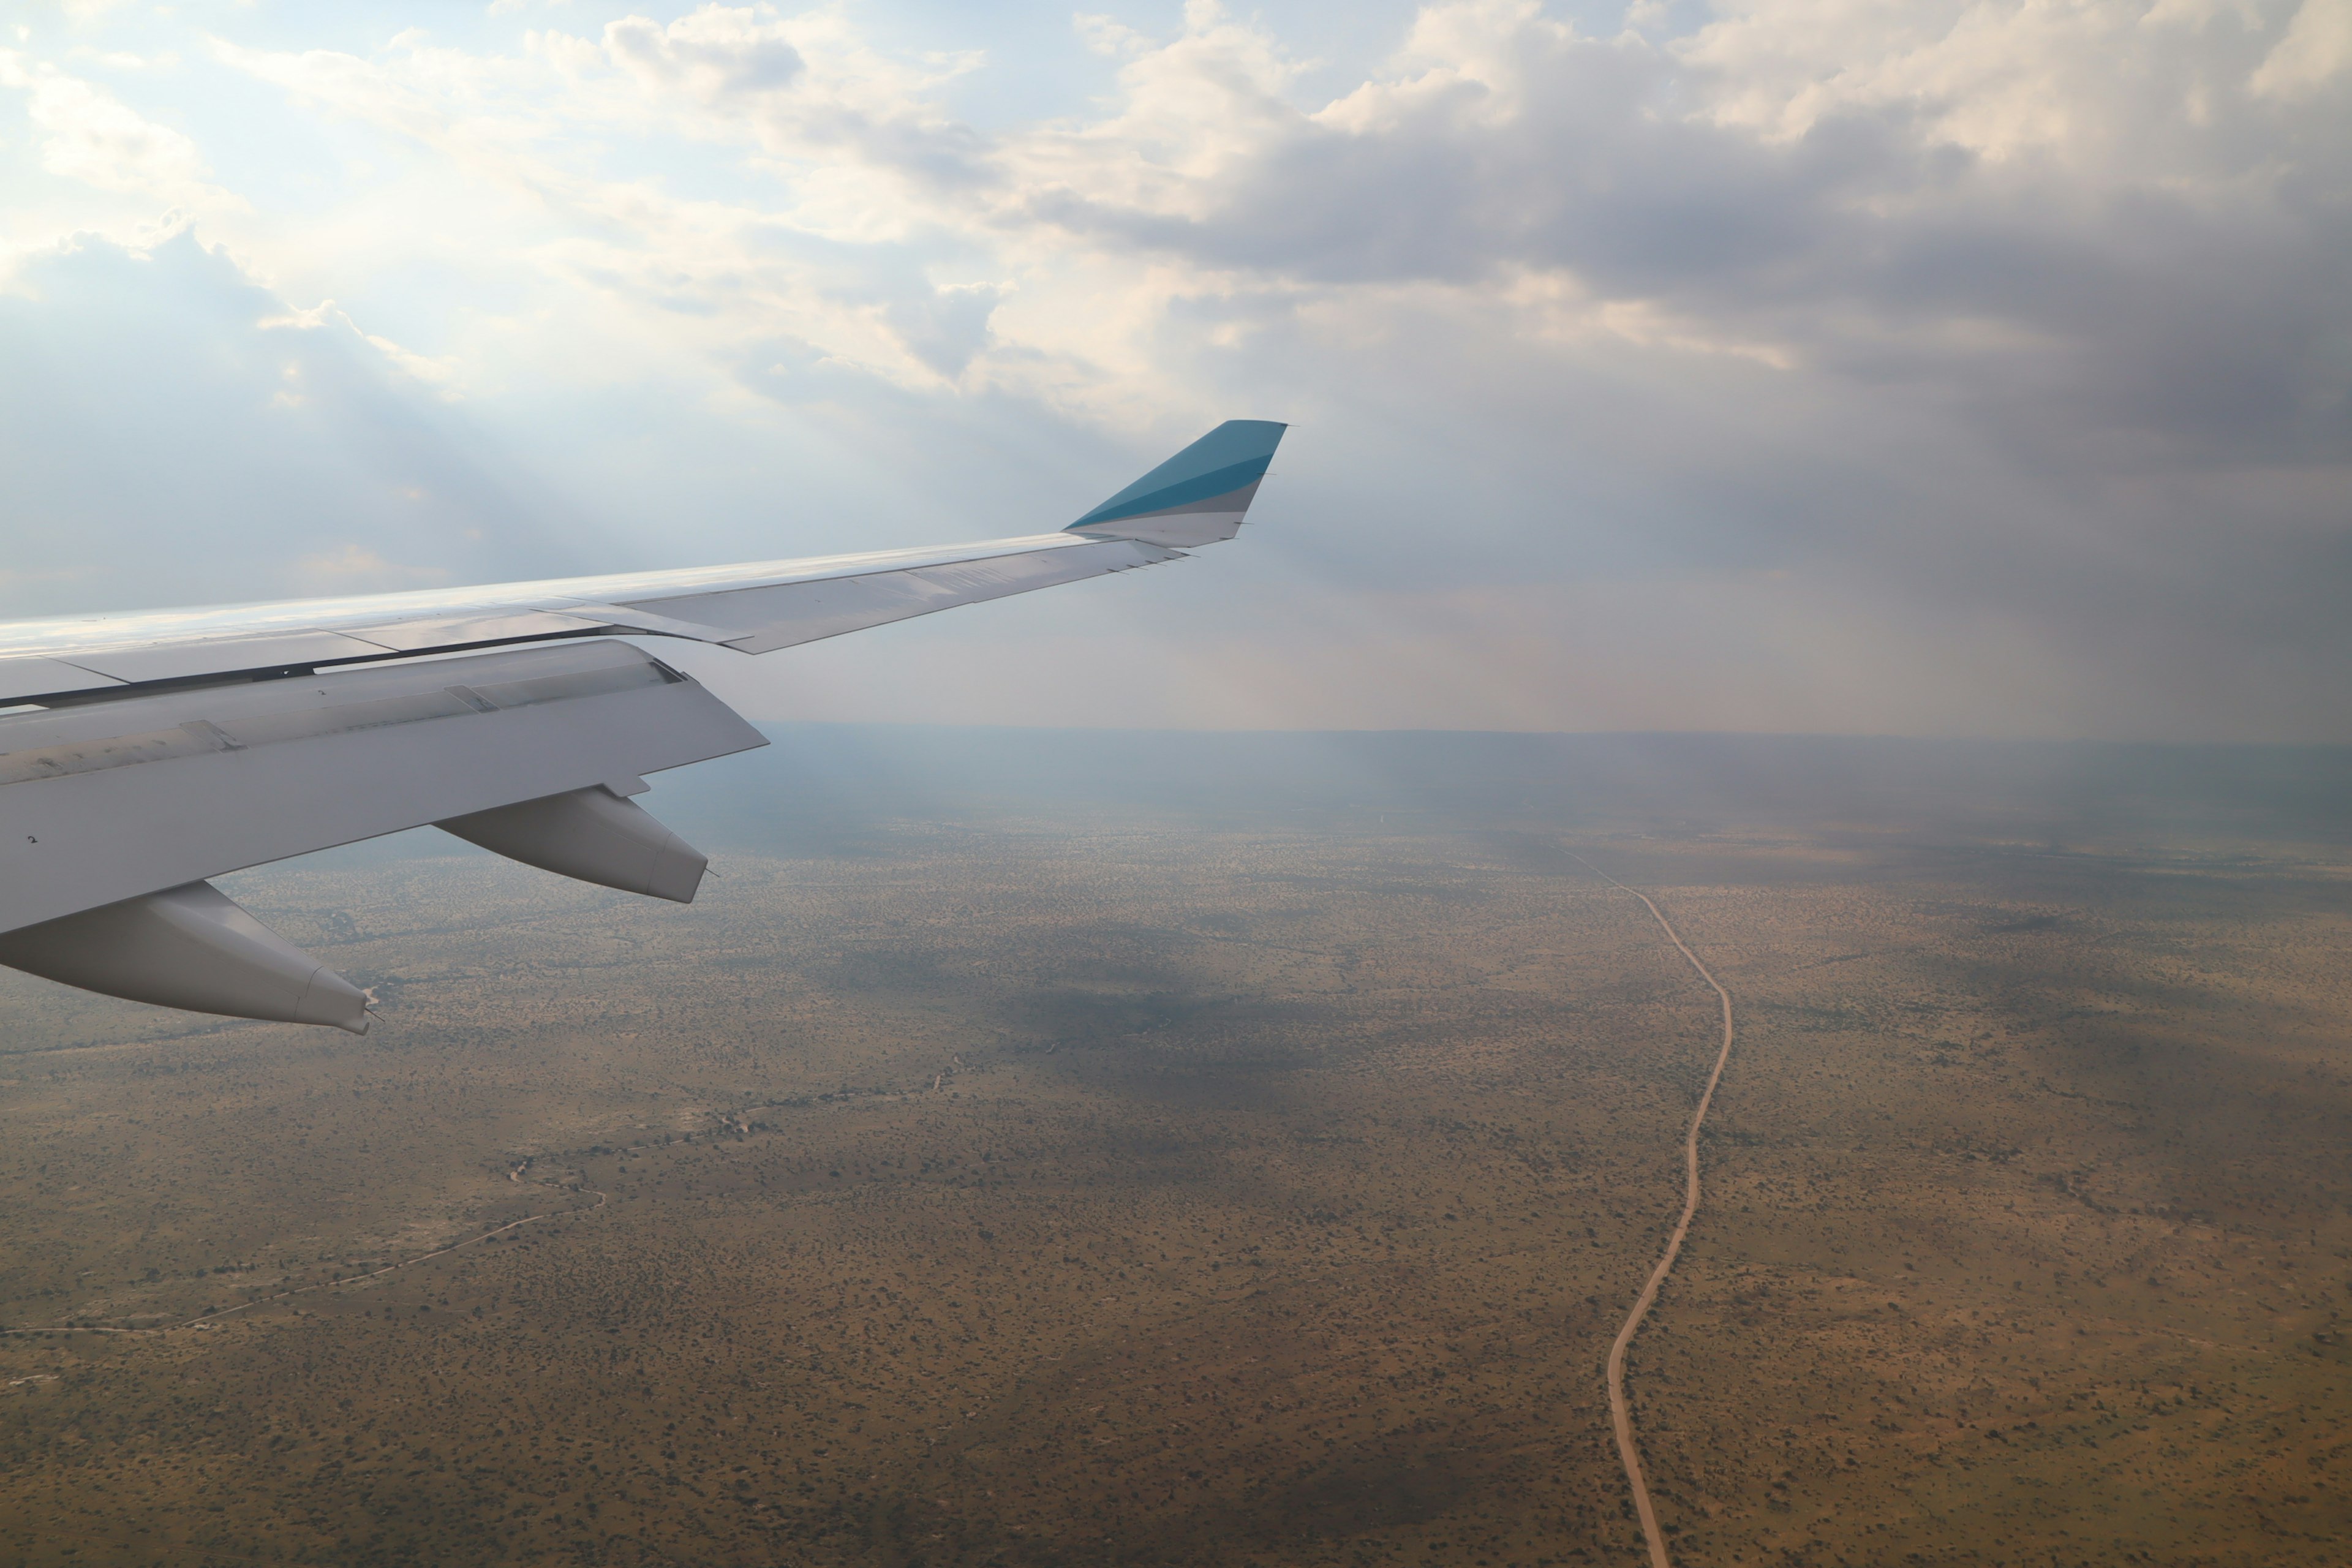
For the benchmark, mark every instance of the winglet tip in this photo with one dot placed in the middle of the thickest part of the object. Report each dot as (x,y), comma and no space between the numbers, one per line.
(1198,495)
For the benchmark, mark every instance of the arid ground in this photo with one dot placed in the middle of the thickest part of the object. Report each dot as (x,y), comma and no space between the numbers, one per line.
(1095,1188)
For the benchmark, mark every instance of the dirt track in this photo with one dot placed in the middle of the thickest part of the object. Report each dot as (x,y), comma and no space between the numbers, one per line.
(1619,1414)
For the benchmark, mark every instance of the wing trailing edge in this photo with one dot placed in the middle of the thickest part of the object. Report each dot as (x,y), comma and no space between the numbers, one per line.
(116,800)
(117,813)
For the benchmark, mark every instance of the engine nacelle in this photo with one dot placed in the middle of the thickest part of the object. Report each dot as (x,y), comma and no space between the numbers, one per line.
(192,947)
(591,835)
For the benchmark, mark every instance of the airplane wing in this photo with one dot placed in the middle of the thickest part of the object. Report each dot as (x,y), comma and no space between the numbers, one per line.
(142,754)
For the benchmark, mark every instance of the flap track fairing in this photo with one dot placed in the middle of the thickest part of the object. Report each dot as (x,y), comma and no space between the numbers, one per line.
(591,835)
(190,947)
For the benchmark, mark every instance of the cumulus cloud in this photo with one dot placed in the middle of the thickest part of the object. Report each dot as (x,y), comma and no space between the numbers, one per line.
(87,135)
(2315,52)
(1852,188)
(714,55)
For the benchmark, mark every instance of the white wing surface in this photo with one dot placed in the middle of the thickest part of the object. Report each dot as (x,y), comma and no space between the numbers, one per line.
(755,607)
(149,751)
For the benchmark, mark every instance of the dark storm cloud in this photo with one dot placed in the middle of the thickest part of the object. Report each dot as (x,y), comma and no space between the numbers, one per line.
(2196,294)
(2070,366)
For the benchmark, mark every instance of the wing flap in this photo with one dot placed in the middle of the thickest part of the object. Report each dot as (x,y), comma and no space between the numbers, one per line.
(157,792)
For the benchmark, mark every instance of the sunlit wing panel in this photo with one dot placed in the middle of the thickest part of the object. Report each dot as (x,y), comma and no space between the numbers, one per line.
(27,677)
(429,633)
(181,660)
(782,614)
(754,607)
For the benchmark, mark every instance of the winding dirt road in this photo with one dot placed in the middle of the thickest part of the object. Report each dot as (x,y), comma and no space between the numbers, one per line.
(1619,1414)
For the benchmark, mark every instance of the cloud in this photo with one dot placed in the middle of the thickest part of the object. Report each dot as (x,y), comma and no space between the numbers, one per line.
(87,135)
(1863,193)
(171,433)
(1960,365)
(714,55)
(2315,51)
(829,275)
(356,569)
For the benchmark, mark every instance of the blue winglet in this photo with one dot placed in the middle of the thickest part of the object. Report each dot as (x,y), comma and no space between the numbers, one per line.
(1197,496)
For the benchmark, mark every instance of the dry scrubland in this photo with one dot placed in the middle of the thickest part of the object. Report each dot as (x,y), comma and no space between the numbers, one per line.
(1142,1196)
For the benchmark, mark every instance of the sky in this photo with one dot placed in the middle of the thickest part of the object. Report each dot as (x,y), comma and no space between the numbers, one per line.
(1846,366)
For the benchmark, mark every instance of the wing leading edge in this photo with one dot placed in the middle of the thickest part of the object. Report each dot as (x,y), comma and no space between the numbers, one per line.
(151,752)
(754,607)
